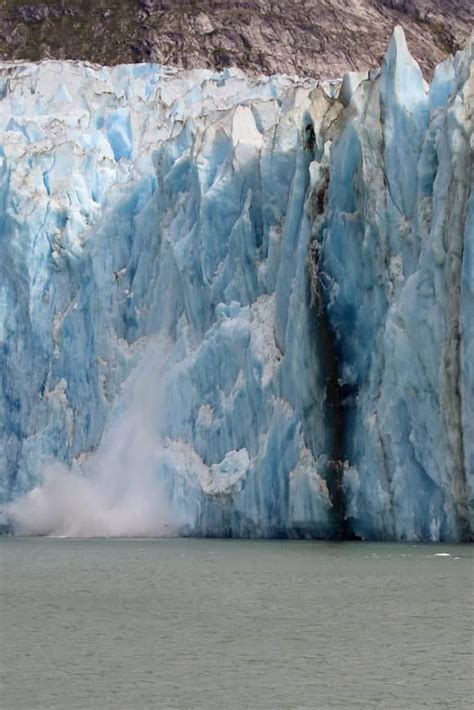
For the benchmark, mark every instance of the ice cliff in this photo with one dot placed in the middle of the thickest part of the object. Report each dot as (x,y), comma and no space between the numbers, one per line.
(237,307)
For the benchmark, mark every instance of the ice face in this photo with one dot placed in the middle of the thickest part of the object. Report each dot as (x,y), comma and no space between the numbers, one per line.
(236,307)
(399,211)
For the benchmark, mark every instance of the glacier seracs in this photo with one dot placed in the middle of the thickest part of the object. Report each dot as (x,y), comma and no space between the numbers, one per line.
(237,307)
(399,210)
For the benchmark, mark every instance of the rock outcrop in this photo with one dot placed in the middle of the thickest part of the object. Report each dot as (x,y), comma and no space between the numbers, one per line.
(318,38)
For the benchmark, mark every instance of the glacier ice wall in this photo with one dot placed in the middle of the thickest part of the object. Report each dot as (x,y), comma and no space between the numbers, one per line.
(237,307)
(394,247)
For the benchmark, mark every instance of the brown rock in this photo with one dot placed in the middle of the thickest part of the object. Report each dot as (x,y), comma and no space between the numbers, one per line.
(320,38)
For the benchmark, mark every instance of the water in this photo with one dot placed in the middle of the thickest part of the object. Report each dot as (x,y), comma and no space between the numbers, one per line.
(135,624)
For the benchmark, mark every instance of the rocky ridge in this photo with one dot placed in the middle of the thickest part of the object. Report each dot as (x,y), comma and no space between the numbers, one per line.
(318,38)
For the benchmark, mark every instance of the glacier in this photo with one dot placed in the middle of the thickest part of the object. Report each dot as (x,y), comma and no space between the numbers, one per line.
(234,306)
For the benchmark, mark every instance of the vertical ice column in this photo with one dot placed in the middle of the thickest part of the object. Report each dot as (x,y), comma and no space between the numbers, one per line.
(391,243)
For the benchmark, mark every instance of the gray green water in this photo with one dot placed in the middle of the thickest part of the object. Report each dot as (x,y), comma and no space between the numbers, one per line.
(135,624)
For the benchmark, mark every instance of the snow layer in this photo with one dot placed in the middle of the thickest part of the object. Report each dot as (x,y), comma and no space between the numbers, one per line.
(237,307)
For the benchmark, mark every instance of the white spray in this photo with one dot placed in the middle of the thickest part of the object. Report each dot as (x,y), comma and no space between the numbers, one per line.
(115,492)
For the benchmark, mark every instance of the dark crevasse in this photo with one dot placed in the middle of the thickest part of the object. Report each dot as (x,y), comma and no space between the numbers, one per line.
(340,398)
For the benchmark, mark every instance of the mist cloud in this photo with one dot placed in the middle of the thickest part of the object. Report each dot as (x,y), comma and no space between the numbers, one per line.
(117,491)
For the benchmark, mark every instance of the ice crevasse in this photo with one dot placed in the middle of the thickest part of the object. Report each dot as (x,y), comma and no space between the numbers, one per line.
(237,307)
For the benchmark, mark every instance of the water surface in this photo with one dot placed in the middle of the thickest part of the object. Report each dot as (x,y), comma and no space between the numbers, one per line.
(135,624)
